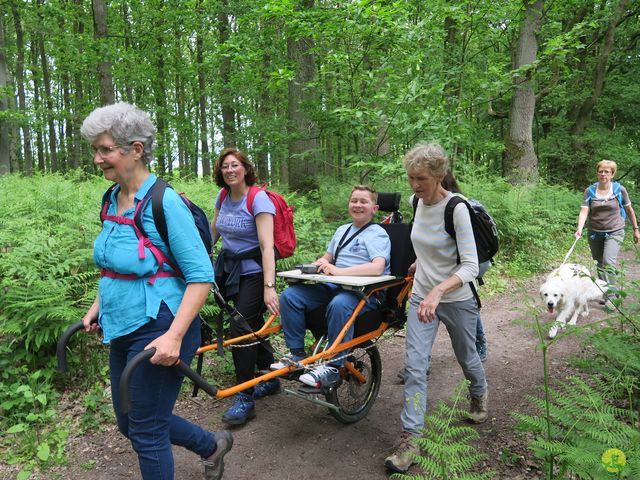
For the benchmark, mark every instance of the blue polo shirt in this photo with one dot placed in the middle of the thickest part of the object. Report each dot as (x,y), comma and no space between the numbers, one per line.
(126,305)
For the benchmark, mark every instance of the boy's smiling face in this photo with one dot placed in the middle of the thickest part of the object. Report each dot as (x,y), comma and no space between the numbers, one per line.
(362,207)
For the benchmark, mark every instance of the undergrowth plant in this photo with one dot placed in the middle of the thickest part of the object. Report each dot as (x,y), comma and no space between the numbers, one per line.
(447,450)
(589,425)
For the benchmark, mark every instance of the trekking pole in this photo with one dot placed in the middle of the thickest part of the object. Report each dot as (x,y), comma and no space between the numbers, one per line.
(61,349)
(566,257)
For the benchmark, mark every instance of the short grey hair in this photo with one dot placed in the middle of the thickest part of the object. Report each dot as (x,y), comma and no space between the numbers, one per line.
(429,157)
(126,123)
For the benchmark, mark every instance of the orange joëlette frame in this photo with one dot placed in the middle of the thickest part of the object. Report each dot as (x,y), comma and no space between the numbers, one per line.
(269,328)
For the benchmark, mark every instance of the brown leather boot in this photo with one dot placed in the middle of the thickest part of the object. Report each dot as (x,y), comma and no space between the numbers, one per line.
(479,410)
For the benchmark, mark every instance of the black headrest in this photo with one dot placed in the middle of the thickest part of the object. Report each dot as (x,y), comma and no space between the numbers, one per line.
(389,201)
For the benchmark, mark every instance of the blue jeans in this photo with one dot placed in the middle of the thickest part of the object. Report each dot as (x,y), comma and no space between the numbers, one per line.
(297,300)
(150,425)
(460,318)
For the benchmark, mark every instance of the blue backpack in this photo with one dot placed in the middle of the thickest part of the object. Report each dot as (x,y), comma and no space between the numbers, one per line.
(617,192)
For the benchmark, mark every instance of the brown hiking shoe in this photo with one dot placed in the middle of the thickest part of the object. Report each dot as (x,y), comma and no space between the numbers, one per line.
(479,410)
(403,458)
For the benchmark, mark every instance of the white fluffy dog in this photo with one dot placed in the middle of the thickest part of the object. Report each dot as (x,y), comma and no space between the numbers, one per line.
(567,291)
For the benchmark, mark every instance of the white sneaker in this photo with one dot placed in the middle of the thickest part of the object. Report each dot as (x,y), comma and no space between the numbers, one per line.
(289,360)
(321,376)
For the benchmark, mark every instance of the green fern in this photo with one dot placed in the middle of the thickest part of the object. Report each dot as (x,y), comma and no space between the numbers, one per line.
(584,424)
(447,446)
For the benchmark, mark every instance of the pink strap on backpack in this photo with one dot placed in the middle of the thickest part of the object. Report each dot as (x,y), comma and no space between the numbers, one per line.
(143,242)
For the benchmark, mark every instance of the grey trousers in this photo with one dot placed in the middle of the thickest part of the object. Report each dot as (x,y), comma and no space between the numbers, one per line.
(604,250)
(460,320)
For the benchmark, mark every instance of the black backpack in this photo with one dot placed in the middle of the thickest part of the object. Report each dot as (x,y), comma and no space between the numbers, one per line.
(485,230)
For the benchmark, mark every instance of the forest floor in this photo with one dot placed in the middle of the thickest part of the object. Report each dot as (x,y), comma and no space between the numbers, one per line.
(294,439)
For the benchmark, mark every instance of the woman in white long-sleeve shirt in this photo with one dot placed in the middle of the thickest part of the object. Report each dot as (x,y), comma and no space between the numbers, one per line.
(441,293)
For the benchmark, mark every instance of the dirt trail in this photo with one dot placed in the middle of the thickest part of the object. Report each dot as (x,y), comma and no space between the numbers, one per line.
(293,439)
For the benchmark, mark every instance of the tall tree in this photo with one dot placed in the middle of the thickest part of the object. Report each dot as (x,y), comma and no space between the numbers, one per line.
(599,72)
(226,95)
(303,145)
(520,160)
(20,84)
(5,145)
(101,34)
(202,95)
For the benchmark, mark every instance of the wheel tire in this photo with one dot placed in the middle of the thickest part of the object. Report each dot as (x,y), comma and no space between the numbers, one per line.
(355,399)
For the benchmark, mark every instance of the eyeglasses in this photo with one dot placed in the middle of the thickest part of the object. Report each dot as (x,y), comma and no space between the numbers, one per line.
(230,166)
(103,150)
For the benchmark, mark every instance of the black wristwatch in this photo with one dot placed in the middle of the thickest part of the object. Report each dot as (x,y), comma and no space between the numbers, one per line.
(270,285)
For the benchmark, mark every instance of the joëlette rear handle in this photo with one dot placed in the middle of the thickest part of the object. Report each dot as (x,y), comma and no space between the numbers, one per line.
(144,356)
(61,349)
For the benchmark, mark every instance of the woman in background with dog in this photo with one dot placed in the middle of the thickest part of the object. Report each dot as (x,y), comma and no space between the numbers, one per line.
(143,301)
(441,293)
(606,204)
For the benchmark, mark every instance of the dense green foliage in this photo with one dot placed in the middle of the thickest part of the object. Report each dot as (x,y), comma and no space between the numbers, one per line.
(380,77)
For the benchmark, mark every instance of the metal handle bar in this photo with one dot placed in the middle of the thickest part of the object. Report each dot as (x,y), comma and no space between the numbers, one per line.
(145,355)
(61,349)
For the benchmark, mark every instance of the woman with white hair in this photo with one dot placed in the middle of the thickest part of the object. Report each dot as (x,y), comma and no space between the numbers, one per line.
(149,295)
(441,293)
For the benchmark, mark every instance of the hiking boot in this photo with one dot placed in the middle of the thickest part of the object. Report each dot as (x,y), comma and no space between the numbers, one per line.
(214,463)
(243,409)
(479,410)
(270,387)
(403,457)
(481,347)
(287,361)
(321,376)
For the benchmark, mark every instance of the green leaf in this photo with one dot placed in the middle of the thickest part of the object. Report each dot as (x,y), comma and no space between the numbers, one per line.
(18,427)
(23,475)
(43,451)
(42,398)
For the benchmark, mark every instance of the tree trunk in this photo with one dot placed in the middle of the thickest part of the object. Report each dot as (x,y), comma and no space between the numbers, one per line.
(104,65)
(520,161)
(226,98)
(303,144)
(202,97)
(78,99)
(22,104)
(48,99)
(5,145)
(584,112)
(37,104)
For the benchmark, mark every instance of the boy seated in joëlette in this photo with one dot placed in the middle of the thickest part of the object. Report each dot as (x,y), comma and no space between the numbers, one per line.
(359,248)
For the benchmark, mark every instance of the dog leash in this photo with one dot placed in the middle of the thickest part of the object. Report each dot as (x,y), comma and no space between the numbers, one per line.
(566,257)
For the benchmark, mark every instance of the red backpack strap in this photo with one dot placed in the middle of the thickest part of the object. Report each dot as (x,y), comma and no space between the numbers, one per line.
(253,191)
(223,194)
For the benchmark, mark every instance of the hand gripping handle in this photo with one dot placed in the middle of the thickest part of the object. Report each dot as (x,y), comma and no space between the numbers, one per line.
(144,356)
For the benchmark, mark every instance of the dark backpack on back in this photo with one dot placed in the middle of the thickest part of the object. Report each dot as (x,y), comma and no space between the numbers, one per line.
(485,231)
(284,235)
